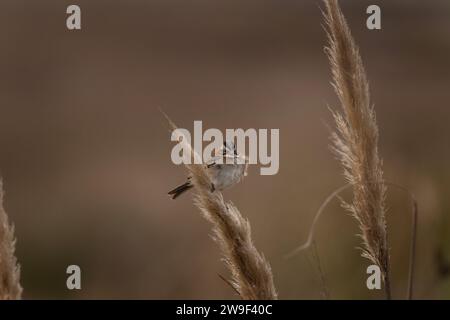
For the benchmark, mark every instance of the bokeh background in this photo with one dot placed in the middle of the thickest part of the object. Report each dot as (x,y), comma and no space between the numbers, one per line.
(85,154)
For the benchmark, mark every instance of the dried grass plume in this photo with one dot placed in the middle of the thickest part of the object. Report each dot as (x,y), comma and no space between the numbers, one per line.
(10,288)
(251,275)
(356,139)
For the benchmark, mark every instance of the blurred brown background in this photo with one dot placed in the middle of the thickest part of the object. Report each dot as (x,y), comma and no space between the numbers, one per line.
(85,154)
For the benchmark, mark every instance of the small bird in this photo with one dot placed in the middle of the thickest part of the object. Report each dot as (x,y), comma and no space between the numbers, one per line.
(222,175)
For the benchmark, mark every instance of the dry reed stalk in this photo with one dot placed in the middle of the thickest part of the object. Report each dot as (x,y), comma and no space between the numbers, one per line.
(10,288)
(356,140)
(251,275)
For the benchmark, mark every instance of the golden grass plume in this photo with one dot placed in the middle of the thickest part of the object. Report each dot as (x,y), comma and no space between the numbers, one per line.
(356,139)
(251,275)
(10,288)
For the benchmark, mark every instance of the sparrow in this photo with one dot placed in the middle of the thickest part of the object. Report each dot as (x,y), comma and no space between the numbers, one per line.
(222,174)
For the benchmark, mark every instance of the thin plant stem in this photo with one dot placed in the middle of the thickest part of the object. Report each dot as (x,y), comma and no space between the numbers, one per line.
(413,238)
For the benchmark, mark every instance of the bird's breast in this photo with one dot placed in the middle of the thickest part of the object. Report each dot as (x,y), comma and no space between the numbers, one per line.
(225,176)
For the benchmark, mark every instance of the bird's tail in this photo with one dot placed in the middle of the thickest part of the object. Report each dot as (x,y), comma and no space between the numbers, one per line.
(180,189)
